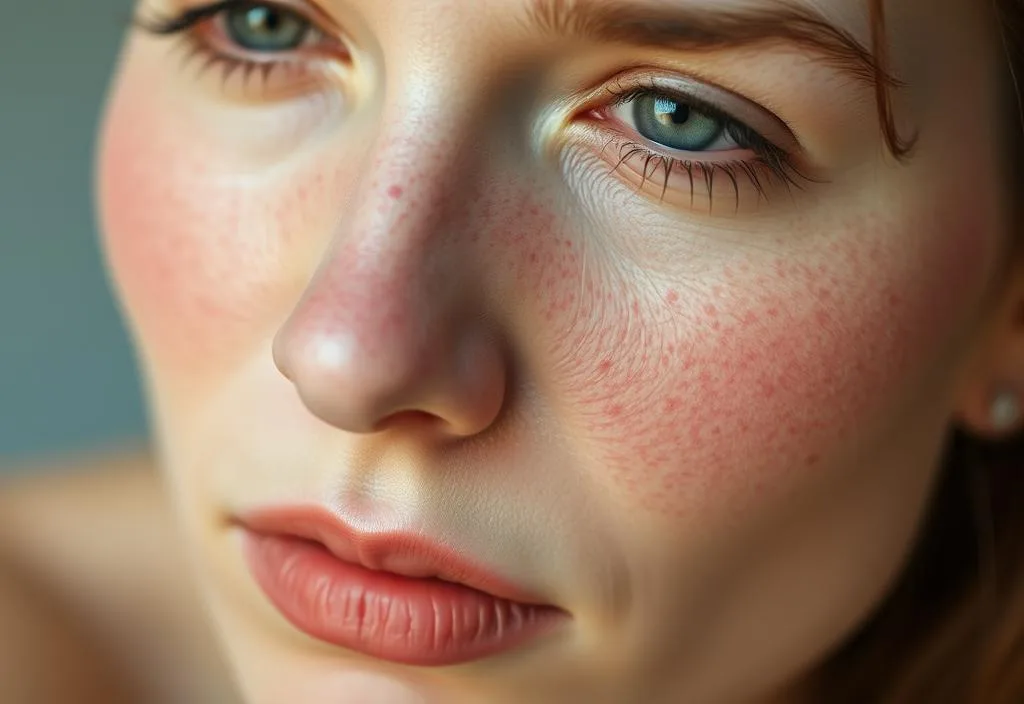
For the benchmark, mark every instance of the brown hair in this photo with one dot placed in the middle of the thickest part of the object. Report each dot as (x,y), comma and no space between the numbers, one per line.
(952,629)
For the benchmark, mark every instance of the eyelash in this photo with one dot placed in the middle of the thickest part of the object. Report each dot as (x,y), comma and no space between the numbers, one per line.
(187,26)
(770,162)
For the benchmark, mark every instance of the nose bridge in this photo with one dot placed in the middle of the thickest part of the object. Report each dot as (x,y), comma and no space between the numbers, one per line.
(386,324)
(397,247)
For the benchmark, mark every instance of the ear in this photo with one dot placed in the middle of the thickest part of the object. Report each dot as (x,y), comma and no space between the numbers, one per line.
(991,399)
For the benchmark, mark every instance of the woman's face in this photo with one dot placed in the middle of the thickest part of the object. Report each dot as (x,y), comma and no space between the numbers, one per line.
(652,326)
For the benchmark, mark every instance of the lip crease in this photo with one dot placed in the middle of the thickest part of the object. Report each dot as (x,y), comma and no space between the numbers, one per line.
(395,595)
(397,552)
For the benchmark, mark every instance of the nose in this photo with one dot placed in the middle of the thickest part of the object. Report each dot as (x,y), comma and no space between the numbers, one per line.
(390,330)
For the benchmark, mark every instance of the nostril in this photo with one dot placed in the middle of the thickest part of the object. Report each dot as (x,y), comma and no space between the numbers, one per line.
(411,420)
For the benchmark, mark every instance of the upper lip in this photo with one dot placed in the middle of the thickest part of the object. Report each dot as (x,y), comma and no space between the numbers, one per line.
(397,552)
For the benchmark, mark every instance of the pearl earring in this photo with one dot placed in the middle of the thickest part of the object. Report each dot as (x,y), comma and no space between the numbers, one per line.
(1006,411)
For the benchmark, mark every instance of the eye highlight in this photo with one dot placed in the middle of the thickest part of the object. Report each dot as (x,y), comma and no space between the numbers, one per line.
(247,37)
(265,28)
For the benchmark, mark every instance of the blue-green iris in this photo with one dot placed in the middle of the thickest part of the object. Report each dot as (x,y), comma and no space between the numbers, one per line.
(674,124)
(265,28)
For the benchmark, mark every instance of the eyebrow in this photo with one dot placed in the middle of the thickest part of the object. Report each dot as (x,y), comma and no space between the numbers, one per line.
(705,29)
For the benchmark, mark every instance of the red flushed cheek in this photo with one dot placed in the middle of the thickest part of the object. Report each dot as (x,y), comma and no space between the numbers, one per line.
(196,250)
(763,367)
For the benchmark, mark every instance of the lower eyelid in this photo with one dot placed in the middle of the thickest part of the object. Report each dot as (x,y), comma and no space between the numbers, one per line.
(690,183)
(731,183)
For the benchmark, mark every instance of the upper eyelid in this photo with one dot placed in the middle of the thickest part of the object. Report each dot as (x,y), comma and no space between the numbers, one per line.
(725,103)
(313,13)
(175,20)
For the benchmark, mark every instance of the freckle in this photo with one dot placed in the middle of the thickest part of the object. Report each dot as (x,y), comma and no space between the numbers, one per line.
(395,192)
(812,459)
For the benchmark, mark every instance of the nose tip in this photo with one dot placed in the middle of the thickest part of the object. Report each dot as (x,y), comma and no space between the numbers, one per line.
(449,384)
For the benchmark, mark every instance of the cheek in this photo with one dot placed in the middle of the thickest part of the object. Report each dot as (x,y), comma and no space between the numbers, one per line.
(759,367)
(196,246)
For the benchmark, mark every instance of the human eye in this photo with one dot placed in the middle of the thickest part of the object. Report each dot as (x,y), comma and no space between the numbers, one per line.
(262,39)
(683,141)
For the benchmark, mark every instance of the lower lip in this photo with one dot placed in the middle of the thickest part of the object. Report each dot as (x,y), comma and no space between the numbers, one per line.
(421,622)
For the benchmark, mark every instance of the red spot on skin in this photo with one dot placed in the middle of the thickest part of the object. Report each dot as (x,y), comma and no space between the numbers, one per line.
(749,386)
(749,394)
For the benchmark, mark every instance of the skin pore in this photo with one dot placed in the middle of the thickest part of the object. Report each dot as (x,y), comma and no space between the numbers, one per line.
(416,273)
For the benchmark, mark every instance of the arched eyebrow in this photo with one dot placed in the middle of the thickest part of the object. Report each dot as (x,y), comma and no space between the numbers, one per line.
(707,28)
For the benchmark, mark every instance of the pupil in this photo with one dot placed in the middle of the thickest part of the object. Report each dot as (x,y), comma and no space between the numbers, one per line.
(264,20)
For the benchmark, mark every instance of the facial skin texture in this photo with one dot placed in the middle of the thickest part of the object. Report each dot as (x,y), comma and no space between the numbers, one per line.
(417,291)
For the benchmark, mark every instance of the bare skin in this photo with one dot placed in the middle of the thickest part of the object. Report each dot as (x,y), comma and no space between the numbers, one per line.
(381,286)
(95,602)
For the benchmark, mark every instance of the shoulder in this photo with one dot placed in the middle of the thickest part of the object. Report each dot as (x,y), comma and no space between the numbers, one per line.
(95,535)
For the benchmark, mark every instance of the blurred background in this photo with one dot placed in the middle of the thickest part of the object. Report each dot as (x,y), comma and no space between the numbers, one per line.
(67,376)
